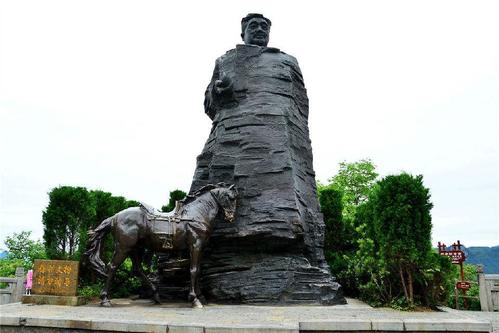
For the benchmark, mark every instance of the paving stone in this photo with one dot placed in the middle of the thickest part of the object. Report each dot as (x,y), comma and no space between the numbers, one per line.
(185,329)
(250,329)
(336,325)
(455,325)
(387,325)
(128,326)
(145,327)
(9,321)
(107,325)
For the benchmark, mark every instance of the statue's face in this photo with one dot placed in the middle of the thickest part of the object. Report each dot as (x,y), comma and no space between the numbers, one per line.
(257,32)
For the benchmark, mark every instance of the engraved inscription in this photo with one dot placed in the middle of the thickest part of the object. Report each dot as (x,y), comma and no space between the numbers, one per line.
(55,277)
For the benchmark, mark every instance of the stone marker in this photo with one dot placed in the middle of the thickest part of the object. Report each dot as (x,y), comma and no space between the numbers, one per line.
(55,277)
(55,282)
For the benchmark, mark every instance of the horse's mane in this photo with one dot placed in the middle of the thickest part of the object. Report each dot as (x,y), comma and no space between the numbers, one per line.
(191,197)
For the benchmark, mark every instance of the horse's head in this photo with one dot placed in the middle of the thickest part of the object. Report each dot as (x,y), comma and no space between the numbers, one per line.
(226,197)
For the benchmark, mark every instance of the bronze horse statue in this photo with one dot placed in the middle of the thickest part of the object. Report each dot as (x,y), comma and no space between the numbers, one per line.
(139,228)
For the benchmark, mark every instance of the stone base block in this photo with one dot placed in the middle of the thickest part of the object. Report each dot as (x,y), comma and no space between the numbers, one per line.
(54,300)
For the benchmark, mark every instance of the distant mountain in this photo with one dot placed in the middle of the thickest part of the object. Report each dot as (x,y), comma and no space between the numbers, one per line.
(487,256)
(3,254)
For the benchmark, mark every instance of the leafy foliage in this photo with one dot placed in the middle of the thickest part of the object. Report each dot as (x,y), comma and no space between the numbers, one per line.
(378,237)
(339,236)
(66,220)
(402,224)
(71,212)
(339,201)
(105,205)
(21,247)
(128,284)
(175,196)
(8,266)
(355,181)
(90,291)
(22,252)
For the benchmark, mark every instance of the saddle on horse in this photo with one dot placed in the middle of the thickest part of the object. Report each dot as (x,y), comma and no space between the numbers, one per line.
(162,225)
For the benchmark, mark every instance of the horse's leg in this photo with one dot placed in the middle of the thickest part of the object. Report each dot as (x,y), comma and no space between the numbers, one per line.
(201,297)
(118,257)
(195,261)
(197,288)
(137,264)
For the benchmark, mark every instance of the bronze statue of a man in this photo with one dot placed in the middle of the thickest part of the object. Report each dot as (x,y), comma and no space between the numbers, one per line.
(260,142)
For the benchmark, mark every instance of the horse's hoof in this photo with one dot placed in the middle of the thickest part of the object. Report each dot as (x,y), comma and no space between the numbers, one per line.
(106,304)
(197,304)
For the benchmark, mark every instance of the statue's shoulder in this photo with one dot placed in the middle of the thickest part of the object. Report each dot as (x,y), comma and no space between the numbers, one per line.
(283,55)
(289,57)
(229,54)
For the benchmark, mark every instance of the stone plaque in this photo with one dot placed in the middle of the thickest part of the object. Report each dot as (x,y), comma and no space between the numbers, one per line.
(55,277)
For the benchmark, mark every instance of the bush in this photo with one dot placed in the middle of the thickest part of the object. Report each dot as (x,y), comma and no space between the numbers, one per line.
(339,201)
(433,282)
(22,252)
(20,246)
(175,195)
(125,282)
(91,291)
(8,268)
(394,263)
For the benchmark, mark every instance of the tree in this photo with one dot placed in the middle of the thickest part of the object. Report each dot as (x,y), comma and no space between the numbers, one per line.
(402,224)
(339,201)
(355,181)
(175,196)
(366,267)
(331,207)
(339,240)
(70,214)
(20,246)
(105,205)
(66,219)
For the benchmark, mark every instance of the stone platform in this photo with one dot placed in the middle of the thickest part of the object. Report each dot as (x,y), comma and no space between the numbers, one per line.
(143,316)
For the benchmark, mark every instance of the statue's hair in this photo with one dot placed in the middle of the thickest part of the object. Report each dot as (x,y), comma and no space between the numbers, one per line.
(247,18)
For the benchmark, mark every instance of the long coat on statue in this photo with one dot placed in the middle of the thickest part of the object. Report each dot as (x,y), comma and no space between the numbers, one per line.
(260,142)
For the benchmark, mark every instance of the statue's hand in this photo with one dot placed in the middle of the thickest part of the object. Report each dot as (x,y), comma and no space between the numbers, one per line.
(224,84)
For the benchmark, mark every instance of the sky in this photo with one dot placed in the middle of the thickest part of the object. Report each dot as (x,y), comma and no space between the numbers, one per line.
(109,95)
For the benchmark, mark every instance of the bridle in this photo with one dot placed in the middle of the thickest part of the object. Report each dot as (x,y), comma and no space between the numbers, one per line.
(217,200)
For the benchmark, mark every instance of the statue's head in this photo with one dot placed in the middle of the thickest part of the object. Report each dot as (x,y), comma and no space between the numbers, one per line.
(255,29)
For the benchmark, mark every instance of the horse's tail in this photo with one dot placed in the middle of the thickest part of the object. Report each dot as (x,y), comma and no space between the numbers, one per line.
(94,245)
